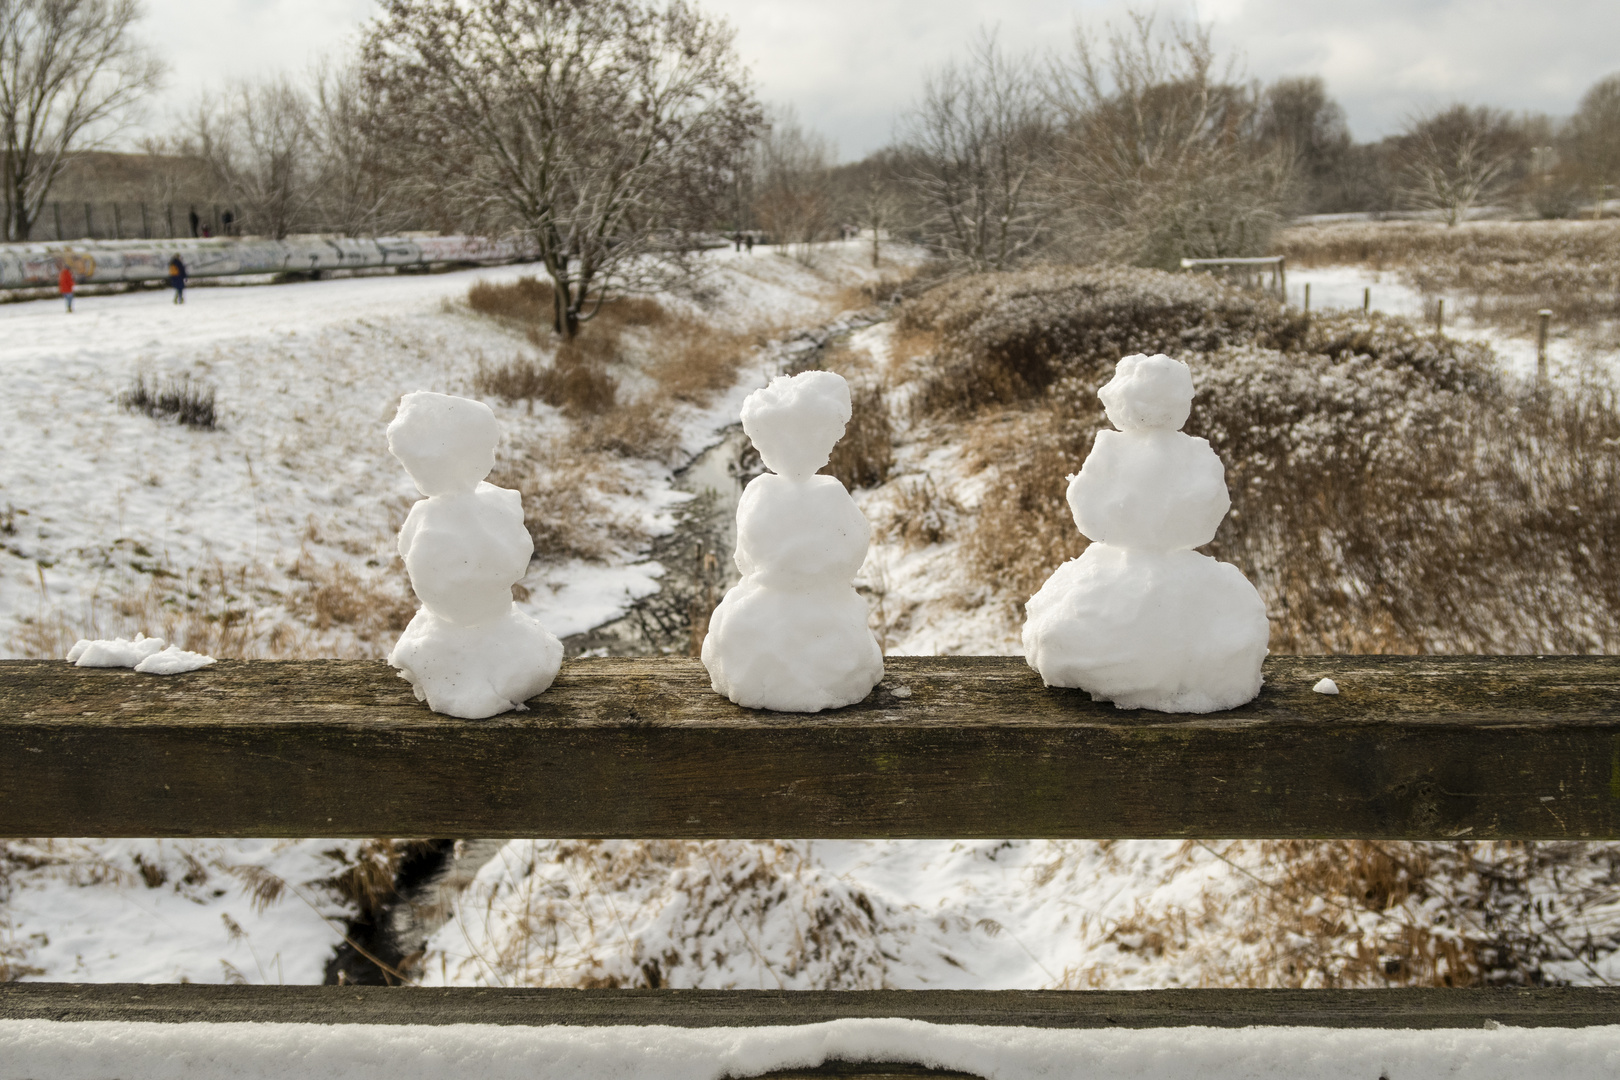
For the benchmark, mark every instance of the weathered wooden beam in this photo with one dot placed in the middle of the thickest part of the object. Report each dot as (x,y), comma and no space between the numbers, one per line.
(1414,747)
(1392,1008)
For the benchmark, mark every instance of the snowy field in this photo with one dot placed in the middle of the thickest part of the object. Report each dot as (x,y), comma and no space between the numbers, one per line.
(1341,287)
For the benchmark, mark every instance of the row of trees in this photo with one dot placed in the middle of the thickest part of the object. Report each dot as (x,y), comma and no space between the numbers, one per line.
(606,132)
(1141,145)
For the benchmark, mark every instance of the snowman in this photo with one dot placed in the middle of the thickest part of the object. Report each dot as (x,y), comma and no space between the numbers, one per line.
(469,651)
(792,634)
(1141,619)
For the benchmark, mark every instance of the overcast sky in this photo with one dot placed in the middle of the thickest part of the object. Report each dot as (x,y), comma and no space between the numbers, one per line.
(850,67)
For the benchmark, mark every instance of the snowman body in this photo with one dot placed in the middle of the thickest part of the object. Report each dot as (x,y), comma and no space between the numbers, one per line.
(792,635)
(1141,619)
(469,651)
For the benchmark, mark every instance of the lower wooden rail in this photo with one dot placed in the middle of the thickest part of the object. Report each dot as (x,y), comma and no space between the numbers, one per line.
(1566,1007)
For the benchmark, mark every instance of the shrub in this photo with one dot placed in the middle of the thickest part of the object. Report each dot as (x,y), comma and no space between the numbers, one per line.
(527,300)
(1009,337)
(181,398)
(864,456)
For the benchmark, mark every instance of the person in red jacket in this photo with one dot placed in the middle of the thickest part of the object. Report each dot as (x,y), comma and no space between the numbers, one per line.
(65,283)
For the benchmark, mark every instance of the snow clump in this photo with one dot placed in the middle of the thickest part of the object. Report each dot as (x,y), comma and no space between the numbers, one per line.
(1141,619)
(792,635)
(146,655)
(469,651)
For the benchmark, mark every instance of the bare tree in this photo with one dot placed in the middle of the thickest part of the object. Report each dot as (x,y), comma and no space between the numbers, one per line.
(1455,159)
(260,147)
(980,149)
(1299,118)
(793,194)
(354,189)
(70,72)
(1594,140)
(1161,154)
(599,130)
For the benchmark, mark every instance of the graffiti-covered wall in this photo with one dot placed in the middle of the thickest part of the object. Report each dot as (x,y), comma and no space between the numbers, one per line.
(35,266)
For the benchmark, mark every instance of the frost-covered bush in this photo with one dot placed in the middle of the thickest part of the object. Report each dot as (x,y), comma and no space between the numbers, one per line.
(1005,338)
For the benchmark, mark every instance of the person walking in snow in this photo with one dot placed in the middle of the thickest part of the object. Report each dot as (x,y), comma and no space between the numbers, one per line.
(177,278)
(64,283)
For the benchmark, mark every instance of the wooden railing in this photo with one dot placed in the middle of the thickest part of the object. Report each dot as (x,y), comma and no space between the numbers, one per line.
(1413,748)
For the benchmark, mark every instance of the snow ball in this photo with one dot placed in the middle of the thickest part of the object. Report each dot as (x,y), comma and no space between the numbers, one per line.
(1148,392)
(1326,686)
(446,443)
(173,661)
(795,421)
(118,652)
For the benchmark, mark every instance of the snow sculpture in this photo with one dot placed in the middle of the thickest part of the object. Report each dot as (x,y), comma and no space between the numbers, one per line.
(1140,619)
(792,634)
(469,651)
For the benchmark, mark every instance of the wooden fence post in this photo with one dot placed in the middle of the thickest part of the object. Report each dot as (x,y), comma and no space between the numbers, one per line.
(1440,316)
(1366,299)
(1545,317)
(1307,298)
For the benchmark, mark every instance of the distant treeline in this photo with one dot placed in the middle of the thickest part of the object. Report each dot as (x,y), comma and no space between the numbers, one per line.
(609,134)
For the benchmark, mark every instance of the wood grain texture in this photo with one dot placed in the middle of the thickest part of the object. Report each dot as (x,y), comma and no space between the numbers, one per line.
(1394,1008)
(1414,747)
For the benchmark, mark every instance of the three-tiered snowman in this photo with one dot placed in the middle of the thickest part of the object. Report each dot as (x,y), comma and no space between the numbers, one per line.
(792,635)
(469,651)
(1141,619)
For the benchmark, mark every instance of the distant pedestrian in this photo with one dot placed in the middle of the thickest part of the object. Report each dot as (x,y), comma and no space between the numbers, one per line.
(195,221)
(736,238)
(749,240)
(207,233)
(65,283)
(228,219)
(177,278)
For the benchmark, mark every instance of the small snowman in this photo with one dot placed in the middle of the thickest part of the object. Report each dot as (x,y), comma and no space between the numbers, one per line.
(1141,619)
(469,651)
(792,634)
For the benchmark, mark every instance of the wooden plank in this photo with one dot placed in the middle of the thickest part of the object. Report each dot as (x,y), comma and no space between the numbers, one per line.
(1392,1008)
(1414,747)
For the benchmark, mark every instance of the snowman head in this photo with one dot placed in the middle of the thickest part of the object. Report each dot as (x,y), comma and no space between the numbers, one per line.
(446,443)
(795,421)
(1148,393)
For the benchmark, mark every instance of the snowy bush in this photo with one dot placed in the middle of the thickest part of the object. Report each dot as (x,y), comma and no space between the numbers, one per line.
(180,398)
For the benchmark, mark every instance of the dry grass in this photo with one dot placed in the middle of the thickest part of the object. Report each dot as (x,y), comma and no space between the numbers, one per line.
(1504,271)
(575,501)
(920,513)
(374,609)
(1316,914)
(650,914)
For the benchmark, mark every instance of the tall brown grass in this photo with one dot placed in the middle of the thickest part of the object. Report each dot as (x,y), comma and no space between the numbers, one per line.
(1356,914)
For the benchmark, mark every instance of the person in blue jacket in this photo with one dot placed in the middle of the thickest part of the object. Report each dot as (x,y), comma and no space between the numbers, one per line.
(177,278)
